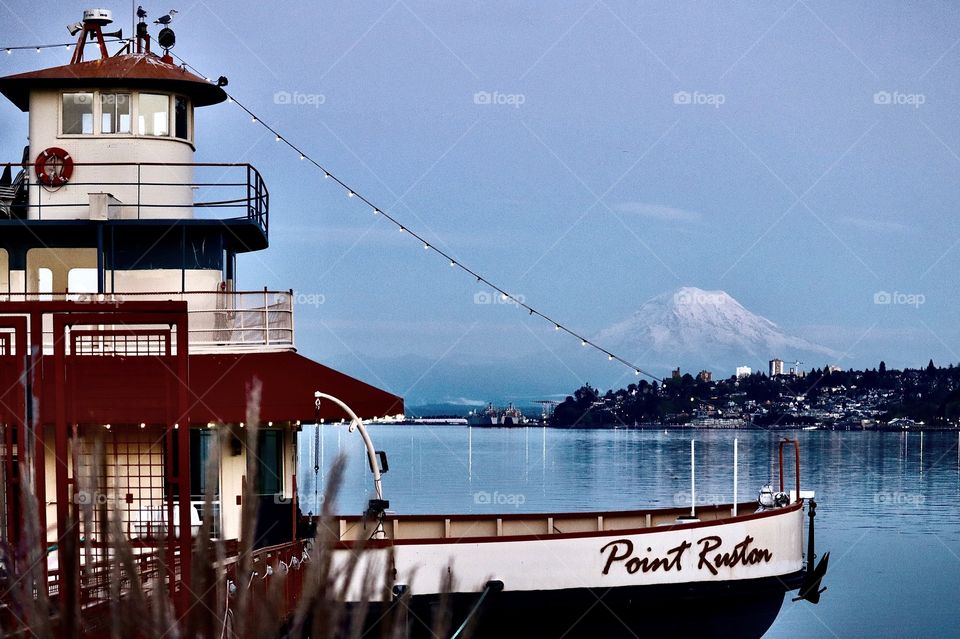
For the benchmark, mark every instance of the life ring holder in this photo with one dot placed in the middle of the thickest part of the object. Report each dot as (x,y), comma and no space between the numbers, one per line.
(54,167)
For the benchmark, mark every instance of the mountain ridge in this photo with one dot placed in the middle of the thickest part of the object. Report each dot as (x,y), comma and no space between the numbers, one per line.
(704,328)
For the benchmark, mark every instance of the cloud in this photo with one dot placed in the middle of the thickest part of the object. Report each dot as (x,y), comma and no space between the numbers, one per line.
(658,212)
(877,226)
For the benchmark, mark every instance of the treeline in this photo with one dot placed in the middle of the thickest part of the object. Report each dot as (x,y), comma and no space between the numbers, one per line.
(930,394)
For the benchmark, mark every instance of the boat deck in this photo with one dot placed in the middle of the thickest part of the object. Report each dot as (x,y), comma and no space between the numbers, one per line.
(521,526)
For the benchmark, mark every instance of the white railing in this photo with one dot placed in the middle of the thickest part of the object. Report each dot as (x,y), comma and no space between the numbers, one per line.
(218,321)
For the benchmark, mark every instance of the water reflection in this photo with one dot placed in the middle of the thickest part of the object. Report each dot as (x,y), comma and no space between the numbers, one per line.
(888,501)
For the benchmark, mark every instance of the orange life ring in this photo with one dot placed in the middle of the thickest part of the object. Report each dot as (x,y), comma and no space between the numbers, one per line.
(54,167)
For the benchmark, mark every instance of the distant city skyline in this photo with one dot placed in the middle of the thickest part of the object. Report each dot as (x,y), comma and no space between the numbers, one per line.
(590,157)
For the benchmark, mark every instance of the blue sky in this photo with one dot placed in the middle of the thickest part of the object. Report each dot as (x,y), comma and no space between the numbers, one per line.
(802,156)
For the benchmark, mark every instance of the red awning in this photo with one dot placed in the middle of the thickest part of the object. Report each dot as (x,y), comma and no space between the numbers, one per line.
(219,386)
(127,71)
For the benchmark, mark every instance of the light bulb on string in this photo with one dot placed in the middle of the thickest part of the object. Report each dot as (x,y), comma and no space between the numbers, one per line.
(426,246)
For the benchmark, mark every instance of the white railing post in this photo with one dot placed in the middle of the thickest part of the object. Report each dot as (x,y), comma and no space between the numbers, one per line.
(266,318)
(292,327)
(693,482)
(734,476)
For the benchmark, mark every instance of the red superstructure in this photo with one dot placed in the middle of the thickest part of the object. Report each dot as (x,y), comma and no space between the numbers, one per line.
(121,323)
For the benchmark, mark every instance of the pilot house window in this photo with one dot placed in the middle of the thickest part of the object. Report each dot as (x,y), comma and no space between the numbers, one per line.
(115,113)
(78,113)
(154,114)
(181,127)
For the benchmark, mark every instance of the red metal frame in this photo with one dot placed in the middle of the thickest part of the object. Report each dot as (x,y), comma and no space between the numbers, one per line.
(29,376)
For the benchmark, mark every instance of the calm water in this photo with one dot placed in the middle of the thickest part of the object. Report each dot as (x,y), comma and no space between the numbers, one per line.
(889,503)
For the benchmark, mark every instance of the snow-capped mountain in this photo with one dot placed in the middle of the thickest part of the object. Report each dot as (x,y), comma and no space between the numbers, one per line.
(694,328)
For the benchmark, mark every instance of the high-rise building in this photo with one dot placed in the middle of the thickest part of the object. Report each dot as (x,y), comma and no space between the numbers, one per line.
(776,367)
(743,371)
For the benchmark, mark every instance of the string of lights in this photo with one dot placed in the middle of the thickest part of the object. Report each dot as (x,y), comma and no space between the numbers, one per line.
(353,193)
(39,47)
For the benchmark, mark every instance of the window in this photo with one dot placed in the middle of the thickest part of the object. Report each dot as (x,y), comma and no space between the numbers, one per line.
(269,462)
(114,113)
(81,282)
(45,284)
(202,443)
(181,115)
(154,114)
(77,114)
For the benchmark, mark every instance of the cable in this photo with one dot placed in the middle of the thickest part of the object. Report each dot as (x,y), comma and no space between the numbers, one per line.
(67,45)
(353,193)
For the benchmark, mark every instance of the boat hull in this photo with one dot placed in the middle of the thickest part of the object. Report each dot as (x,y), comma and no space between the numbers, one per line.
(676,577)
(743,608)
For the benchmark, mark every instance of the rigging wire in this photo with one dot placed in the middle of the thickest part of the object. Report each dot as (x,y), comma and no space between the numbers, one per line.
(66,45)
(353,193)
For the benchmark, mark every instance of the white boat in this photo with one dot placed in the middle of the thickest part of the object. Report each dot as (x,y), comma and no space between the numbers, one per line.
(697,571)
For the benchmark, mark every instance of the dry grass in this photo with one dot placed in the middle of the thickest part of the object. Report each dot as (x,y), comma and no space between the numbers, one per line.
(225,598)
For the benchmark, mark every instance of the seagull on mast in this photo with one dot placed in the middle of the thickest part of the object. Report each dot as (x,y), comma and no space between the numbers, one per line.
(165,20)
(141,13)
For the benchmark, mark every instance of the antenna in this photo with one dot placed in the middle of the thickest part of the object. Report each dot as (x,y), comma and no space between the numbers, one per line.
(92,26)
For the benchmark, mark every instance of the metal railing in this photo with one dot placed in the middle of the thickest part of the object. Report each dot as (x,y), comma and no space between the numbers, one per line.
(218,321)
(145,190)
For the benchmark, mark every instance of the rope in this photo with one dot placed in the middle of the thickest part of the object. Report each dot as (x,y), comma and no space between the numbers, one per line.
(476,607)
(353,193)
